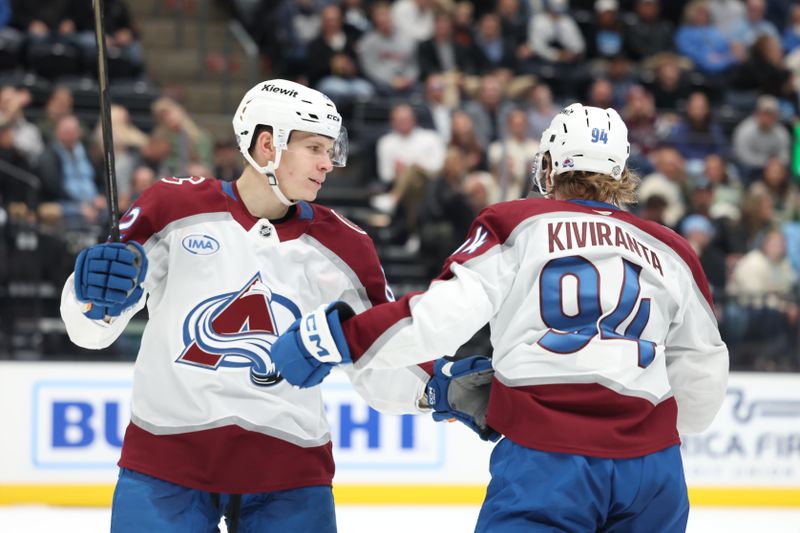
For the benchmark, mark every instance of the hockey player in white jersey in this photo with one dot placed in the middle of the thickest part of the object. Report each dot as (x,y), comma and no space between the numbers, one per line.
(606,347)
(223,268)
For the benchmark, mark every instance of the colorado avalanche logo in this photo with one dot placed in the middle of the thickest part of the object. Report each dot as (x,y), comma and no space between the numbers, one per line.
(237,330)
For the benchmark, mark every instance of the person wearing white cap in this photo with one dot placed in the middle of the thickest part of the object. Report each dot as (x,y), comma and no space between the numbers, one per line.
(760,137)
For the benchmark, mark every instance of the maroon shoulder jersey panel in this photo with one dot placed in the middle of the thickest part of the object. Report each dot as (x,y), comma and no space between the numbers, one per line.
(171,199)
(582,418)
(493,225)
(353,246)
(203,460)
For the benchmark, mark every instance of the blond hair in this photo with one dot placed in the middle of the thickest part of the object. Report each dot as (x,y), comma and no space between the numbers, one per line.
(595,186)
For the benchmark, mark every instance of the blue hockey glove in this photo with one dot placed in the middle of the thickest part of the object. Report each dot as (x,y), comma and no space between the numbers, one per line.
(306,352)
(109,276)
(460,389)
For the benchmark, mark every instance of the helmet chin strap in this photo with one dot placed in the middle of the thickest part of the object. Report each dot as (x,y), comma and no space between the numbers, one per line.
(272,178)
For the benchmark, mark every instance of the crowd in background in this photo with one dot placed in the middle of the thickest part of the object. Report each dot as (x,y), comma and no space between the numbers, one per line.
(446,102)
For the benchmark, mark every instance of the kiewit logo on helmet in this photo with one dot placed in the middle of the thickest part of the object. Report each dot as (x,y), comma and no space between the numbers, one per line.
(275,89)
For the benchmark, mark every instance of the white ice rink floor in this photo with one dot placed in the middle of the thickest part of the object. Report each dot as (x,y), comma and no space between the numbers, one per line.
(398,519)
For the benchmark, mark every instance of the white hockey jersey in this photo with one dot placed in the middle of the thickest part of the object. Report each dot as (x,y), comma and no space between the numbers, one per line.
(209,410)
(605,340)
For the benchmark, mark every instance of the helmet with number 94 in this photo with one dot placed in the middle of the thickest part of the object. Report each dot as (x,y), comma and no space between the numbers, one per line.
(583,138)
(287,106)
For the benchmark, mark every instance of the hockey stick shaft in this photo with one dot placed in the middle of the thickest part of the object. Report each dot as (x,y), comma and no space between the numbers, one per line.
(105,121)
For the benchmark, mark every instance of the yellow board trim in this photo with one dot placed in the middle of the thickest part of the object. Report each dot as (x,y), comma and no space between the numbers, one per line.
(100,495)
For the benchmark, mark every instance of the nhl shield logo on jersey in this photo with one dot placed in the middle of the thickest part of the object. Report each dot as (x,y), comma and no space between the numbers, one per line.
(236,330)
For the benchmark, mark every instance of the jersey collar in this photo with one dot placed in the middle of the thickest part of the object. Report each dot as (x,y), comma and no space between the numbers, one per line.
(594,203)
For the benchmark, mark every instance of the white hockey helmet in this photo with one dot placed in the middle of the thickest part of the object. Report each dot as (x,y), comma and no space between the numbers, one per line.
(287,106)
(583,138)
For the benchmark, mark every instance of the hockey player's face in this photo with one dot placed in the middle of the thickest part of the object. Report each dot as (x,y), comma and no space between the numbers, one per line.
(304,165)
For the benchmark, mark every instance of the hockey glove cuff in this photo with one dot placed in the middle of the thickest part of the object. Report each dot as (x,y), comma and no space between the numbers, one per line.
(315,343)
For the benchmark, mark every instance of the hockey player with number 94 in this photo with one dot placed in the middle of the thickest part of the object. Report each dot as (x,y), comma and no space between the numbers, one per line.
(606,347)
(223,268)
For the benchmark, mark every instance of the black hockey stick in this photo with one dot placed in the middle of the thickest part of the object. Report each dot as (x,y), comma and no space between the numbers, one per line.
(105,121)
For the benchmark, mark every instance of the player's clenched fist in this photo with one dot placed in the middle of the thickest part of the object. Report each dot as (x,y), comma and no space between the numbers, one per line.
(305,353)
(109,277)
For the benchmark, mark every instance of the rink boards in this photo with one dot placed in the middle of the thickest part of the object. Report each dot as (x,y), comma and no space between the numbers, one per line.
(64,424)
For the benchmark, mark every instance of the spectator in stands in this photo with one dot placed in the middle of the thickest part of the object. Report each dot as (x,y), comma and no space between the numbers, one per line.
(728,233)
(753,25)
(387,56)
(697,134)
(142,179)
(557,45)
(414,18)
(436,113)
(641,117)
(699,231)
(356,19)
(68,176)
(43,19)
(760,137)
(491,50)
(17,184)
(703,43)
(670,87)
(554,36)
(408,159)
(725,14)
(288,28)
(758,214)
(463,14)
(58,105)
(407,145)
(128,143)
(763,288)
(27,137)
(441,53)
(514,25)
(669,181)
(188,143)
(785,194)
(605,39)
(227,161)
(541,109)
(511,157)
(601,94)
(332,62)
(622,79)
(764,71)
(648,34)
(121,35)
(728,194)
(652,207)
(791,34)
(445,214)
(481,190)
(488,112)
(464,137)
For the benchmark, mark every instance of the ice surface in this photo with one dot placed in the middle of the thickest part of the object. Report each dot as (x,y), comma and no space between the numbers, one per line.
(396,519)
